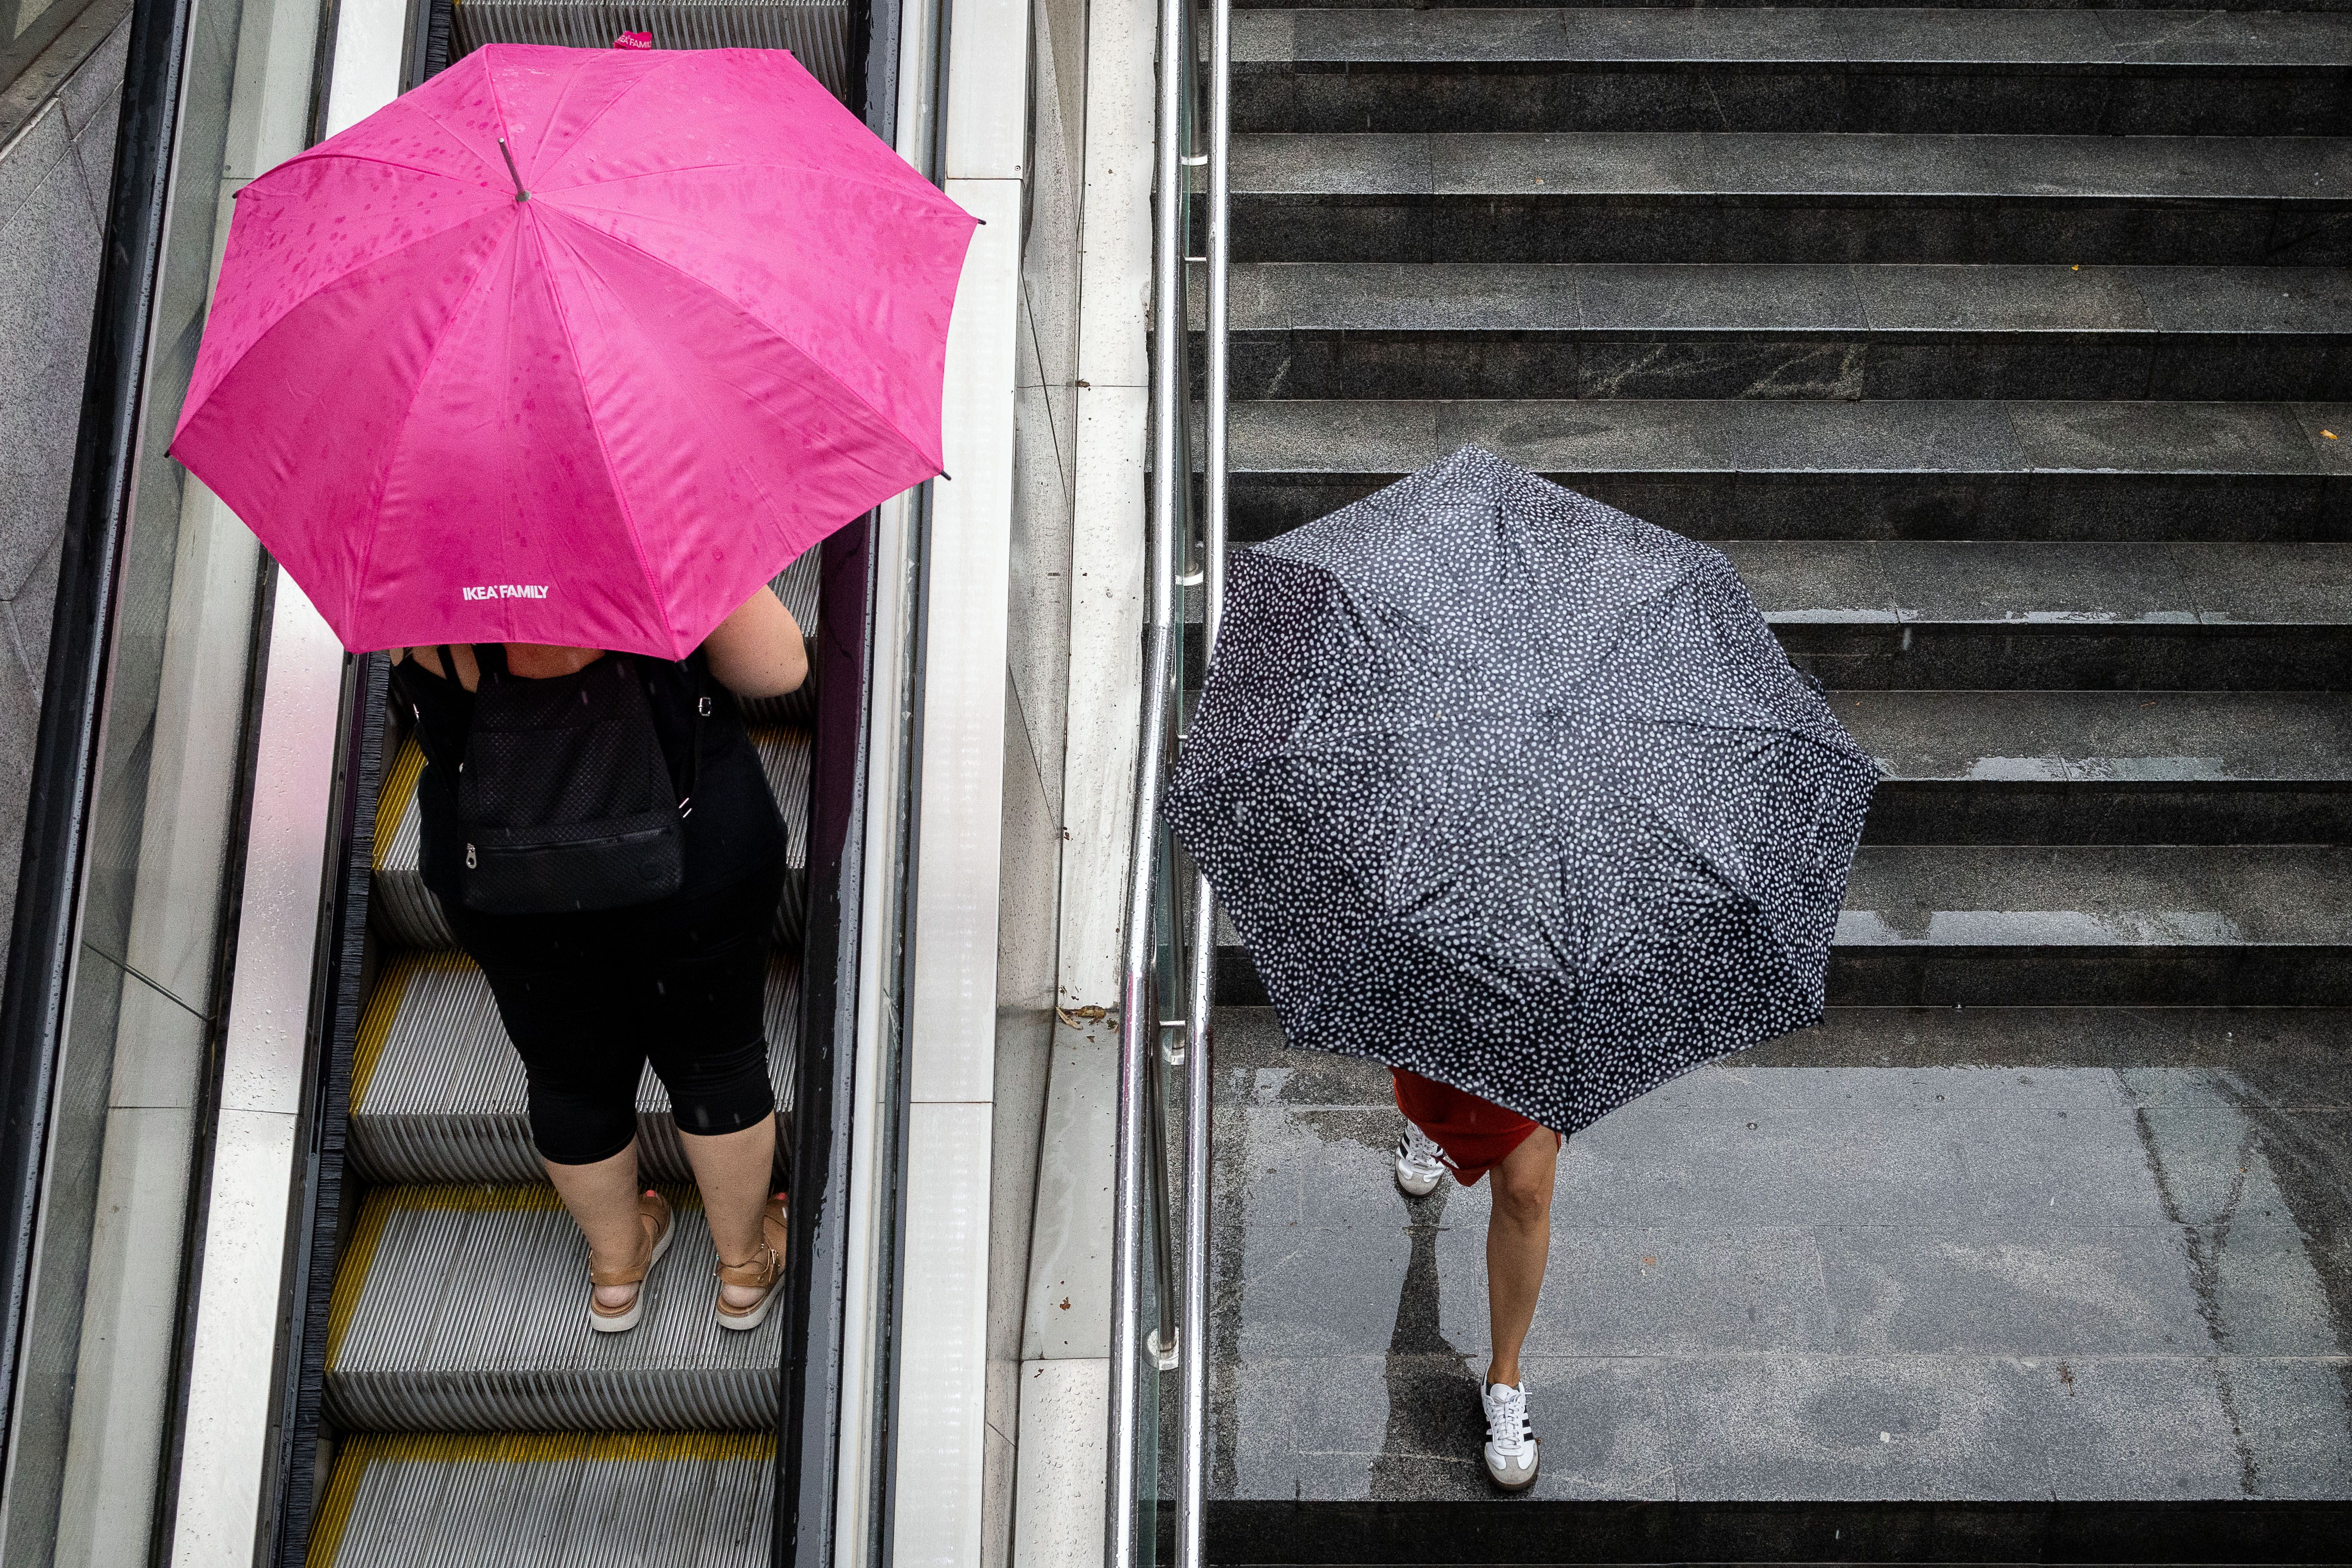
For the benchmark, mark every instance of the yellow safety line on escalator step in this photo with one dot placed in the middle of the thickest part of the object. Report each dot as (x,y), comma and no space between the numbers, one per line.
(335,1512)
(398,793)
(357,1452)
(538,1448)
(351,1277)
(376,1019)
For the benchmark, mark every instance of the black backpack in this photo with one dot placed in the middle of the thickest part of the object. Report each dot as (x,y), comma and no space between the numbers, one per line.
(565,799)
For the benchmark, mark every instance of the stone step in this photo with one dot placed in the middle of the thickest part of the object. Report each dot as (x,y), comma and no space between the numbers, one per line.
(2000,1286)
(1832,330)
(1923,615)
(1755,468)
(1638,195)
(1974,925)
(1929,615)
(1853,67)
(2092,767)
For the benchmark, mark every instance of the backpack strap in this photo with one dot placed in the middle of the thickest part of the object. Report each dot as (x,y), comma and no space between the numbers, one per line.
(489,657)
(702,708)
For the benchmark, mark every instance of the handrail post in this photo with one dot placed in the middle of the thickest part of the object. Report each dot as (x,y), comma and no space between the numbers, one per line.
(1138,1017)
(1192,1484)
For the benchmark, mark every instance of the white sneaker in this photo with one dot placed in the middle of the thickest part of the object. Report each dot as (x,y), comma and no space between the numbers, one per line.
(1511,1452)
(1419,1166)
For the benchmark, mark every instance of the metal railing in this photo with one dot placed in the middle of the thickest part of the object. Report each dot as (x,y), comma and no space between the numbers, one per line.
(1170,931)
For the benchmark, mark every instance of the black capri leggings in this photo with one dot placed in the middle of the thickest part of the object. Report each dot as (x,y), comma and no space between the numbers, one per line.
(588,998)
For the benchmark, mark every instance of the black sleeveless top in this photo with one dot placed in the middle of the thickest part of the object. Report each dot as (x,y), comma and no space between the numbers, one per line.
(733,832)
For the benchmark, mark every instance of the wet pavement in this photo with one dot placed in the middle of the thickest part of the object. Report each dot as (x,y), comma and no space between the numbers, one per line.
(1984,1255)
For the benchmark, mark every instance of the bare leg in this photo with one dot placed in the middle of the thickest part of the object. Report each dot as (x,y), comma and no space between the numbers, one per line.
(1518,1243)
(603,1198)
(733,1170)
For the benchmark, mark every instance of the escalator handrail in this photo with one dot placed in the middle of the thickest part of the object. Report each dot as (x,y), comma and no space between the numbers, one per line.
(1192,1359)
(1138,1000)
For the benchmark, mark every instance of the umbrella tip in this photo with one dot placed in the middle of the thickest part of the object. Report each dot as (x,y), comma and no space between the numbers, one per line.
(504,152)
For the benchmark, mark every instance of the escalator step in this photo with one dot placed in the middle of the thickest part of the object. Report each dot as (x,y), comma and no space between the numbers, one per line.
(815,31)
(464,1309)
(437,1090)
(408,913)
(680,1499)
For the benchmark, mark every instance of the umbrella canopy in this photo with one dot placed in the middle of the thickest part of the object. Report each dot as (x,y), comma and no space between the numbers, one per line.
(593,397)
(1511,789)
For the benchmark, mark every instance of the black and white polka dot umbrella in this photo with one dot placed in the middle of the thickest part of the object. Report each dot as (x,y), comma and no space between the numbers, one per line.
(1505,786)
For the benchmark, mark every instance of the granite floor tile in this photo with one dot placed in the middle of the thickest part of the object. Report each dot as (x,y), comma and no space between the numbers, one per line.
(1573,437)
(1815,581)
(2295,1416)
(2150,1427)
(2232,38)
(1671,296)
(1996,298)
(94,91)
(48,270)
(1936,580)
(2261,1282)
(1808,163)
(1790,36)
(33,612)
(31,157)
(2165,438)
(2097,895)
(1836,1429)
(2307,168)
(1998,1291)
(1585,164)
(2267,299)
(1363,164)
(2327,431)
(2200,734)
(2134,166)
(2257,583)
(1973,37)
(1436,298)
(1678,1290)
(1263,37)
(1337,437)
(1408,1427)
(1431,36)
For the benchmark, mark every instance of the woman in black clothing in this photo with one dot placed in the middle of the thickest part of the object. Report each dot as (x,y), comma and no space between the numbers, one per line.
(587,998)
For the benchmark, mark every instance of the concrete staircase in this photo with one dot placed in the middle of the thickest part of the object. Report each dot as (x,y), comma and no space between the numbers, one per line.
(2007,352)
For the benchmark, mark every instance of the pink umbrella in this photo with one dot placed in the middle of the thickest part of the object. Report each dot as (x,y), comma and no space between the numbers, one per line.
(574,346)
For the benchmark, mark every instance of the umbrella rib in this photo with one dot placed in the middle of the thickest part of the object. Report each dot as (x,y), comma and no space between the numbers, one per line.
(603,454)
(318,155)
(454,133)
(375,511)
(356,268)
(888,187)
(805,357)
(581,137)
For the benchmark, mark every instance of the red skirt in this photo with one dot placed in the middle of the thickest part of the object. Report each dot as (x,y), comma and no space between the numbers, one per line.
(1475,1135)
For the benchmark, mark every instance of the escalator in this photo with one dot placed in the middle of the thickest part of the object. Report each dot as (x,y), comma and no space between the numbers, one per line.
(457,1408)
(471,1409)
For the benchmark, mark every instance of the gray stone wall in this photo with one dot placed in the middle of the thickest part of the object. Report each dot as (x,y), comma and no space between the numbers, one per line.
(54,179)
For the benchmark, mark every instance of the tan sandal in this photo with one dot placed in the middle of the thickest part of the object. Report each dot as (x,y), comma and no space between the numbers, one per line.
(659,1226)
(762,1272)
